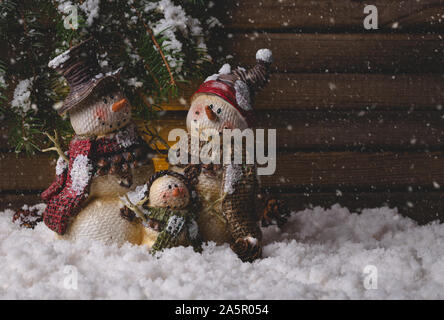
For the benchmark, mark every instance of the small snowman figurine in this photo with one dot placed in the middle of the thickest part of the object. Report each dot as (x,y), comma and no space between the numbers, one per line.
(227,192)
(166,206)
(106,158)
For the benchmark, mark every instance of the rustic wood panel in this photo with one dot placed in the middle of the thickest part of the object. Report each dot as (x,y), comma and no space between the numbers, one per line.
(23,173)
(341,130)
(357,171)
(306,91)
(16,201)
(332,15)
(345,53)
(314,171)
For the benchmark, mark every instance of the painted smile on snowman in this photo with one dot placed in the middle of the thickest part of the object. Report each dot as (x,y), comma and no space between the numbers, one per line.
(103,114)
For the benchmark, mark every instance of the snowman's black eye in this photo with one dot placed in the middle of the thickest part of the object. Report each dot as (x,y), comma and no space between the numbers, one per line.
(169,186)
(175,185)
(219,110)
(105,101)
(111,97)
(211,106)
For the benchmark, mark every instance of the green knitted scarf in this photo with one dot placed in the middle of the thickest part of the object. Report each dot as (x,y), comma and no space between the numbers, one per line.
(175,222)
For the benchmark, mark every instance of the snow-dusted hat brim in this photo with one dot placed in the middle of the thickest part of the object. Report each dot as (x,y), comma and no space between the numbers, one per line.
(81,92)
(227,93)
(81,69)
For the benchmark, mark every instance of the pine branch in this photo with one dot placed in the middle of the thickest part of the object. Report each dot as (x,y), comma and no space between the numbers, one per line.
(153,38)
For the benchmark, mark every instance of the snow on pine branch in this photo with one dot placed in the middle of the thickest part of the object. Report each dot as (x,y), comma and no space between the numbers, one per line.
(175,20)
(91,9)
(21,101)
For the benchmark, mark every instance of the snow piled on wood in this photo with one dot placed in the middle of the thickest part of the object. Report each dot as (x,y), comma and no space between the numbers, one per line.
(320,254)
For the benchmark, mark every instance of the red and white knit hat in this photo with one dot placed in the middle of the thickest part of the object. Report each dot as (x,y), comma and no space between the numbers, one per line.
(238,87)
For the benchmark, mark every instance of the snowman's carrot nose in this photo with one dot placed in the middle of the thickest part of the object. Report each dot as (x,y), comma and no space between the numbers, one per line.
(176,192)
(210,113)
(119,105)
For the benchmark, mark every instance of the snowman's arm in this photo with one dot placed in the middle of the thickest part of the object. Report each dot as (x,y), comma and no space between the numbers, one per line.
(238,205)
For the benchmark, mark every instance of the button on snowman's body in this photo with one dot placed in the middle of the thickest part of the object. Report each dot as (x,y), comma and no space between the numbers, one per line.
(107,158)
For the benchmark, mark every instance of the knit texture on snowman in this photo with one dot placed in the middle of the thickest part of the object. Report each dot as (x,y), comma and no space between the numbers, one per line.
(175,222)
(71,187)
(240,85)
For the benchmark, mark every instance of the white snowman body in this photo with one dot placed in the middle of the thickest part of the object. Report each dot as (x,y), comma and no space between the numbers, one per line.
(100,219)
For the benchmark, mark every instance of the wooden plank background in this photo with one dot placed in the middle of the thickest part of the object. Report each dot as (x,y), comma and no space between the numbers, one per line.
(359,114)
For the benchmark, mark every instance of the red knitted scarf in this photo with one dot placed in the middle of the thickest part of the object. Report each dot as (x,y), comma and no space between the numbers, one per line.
(65,195)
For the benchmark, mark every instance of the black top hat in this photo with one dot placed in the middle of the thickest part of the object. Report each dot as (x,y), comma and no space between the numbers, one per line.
(81,70)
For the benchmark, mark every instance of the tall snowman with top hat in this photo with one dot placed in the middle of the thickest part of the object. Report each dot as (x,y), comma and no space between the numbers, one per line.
(227,192)
(106,158)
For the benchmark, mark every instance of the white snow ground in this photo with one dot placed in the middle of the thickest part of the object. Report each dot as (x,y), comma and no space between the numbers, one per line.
(321,254)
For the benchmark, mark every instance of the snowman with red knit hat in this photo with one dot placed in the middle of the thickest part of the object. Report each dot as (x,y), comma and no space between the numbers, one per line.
(106,158)
(227,192)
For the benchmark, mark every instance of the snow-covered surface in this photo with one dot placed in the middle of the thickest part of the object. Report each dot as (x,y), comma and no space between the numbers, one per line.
(320,254)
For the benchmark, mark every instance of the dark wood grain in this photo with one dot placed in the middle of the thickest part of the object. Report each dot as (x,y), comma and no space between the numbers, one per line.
(15,201)
(344,53)
(308,91)
(25,173)
(332,15)
(340,130)
(356,171)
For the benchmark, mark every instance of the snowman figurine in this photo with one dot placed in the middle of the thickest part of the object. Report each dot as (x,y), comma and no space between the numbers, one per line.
(227,192)
(166,205)
(106,158)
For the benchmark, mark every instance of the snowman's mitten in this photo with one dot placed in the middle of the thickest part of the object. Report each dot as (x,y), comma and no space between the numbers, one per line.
(239,193)
(58,184)
(247,249)
(127,214)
